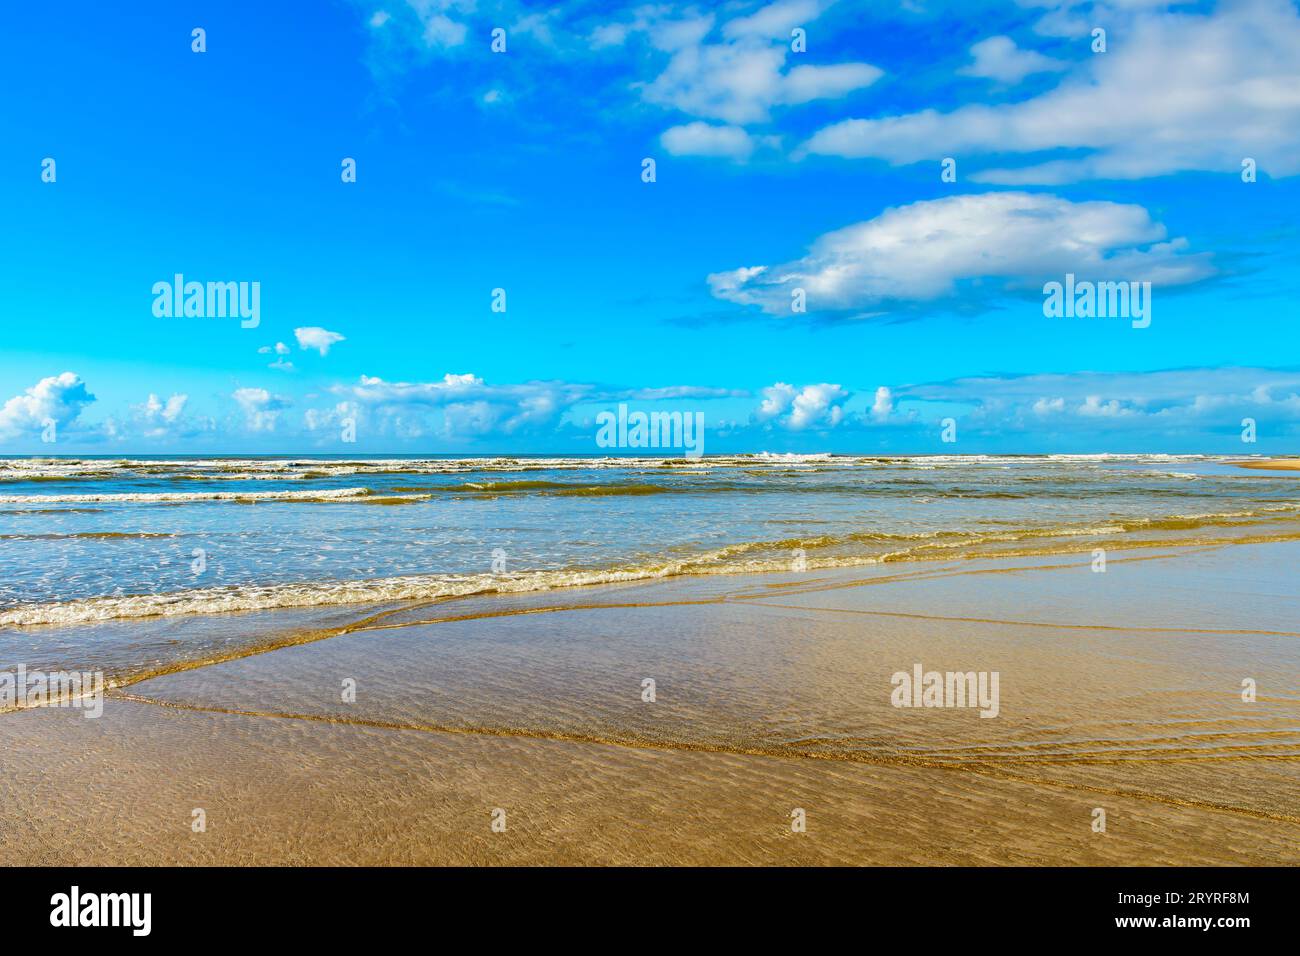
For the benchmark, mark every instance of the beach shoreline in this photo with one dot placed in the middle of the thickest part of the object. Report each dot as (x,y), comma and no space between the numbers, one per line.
(1272,464)
(772,694)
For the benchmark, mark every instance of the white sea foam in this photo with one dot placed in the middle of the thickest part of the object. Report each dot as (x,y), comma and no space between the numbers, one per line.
(329,494)
(724,560)
(268,597)
(247,469)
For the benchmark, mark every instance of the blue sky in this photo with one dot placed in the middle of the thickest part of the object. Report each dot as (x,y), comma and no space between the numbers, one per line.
(776,169)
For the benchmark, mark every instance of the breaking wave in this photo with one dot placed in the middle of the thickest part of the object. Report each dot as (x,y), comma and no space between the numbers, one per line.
(819,552)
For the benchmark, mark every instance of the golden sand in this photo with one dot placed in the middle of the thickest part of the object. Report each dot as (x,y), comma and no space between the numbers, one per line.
(1272,464)
(1119,691)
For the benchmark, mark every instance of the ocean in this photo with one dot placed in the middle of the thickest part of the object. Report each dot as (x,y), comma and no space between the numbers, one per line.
(96,540)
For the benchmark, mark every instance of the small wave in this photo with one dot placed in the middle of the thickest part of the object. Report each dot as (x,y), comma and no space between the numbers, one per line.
(753,557)
(55,469)
(91,535)
(508,486)
(271,597)
(335,494)
(568,490)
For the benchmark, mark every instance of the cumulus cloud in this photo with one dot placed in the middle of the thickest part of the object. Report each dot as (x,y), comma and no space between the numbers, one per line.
(318,419)
(704,139)
(1186,91)
(671,392)
(734,72)
(437,28)
(883,406)
(1188,401)
(921,252)
(742,78)
(158,420)
(314,337)
(280,350)
(813,406)
(154,410)
(466,404)
(261,409)
(775,19)
(58,398)
(732,66)
(998,58)
(373,390)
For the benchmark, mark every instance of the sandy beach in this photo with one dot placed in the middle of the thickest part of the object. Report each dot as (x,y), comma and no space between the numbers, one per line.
(1119,691)
(1273,464)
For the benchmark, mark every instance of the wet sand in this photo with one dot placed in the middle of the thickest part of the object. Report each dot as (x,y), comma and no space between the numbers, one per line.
(1273,464)
(1120,691)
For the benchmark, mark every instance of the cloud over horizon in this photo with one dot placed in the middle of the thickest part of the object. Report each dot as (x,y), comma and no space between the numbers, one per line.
(56,398)
(922,251)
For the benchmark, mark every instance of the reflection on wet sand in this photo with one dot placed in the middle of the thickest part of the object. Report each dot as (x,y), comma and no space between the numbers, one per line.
(1121,691)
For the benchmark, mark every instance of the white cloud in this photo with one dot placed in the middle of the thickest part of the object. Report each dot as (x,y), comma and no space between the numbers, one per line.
(154,410)
(775,20)
(463,405)
(1049,406)
(1173,92)
(732,67)
(409,33)
(1094,406)
(736,84)
(813,406)
(1077,18)
(921,252)
(538,26)
(883,406)
(58,398)
(609,34)
(442,31)
(740,78)
(740,82)
(675,392)
(372,390)
(1191,400)
(314,337)
(155,419)
(669,33)
(466,404)
(998,58)
(803,84)
(260,407)
(702,139)
(281,350)
(330,418)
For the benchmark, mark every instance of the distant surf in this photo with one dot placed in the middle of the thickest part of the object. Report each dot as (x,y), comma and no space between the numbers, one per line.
(513,524)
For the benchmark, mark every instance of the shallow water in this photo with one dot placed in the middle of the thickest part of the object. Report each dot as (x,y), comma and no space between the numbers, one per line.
(1119,691)
(87,541)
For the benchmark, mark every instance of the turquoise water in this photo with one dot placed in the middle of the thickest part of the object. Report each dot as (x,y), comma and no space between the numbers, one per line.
(102,539)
